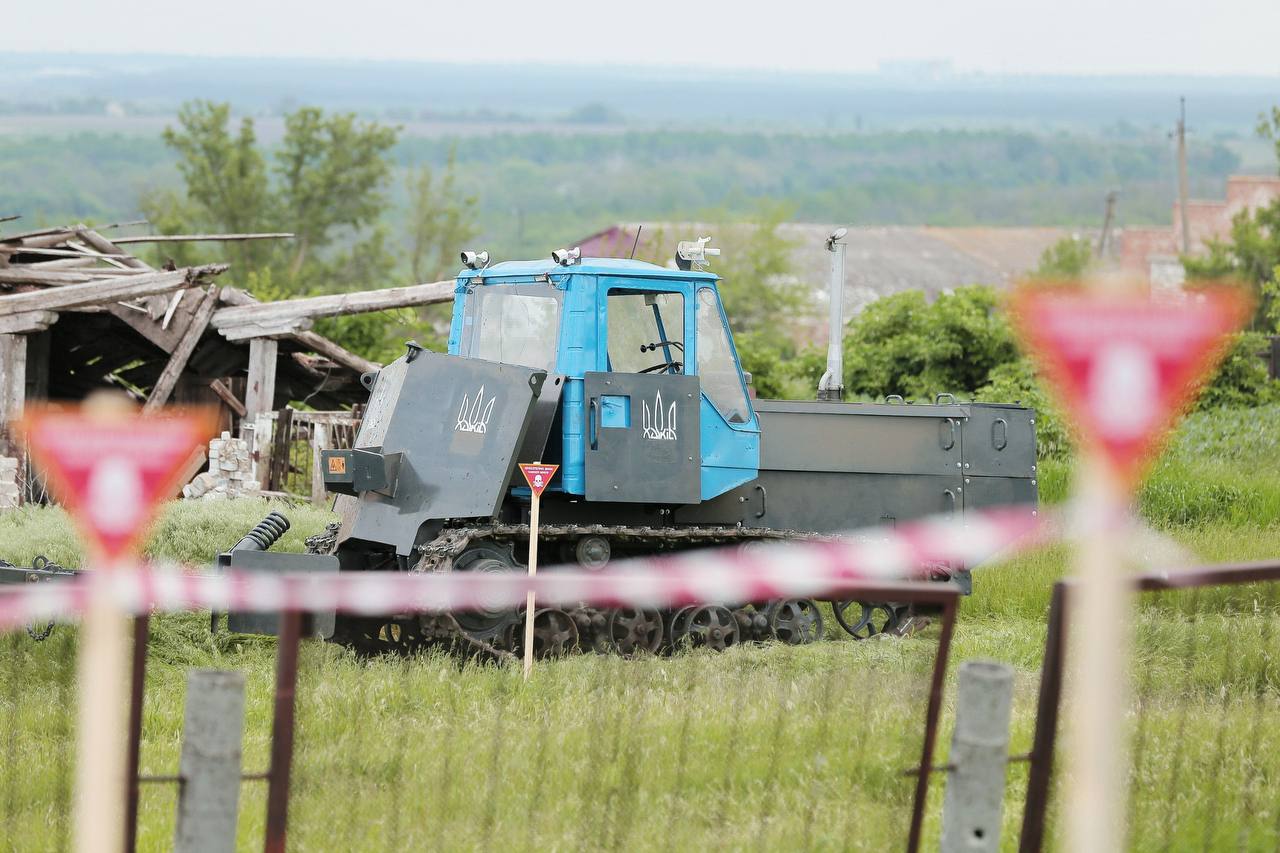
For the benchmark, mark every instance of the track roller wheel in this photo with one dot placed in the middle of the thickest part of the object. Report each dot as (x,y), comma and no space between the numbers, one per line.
(712,627)
(633,630)
(678,627)
(795,621)
(554,633)
(864,619)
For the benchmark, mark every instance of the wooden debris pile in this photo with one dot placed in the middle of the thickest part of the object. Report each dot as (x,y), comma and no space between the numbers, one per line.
(79,311)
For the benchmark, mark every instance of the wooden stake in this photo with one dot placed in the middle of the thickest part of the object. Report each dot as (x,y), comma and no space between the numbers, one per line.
(1100,630)
(102,668)
(533,570)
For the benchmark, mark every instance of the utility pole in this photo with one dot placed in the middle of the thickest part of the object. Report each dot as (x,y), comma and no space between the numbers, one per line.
(1104,239)
(1182,176)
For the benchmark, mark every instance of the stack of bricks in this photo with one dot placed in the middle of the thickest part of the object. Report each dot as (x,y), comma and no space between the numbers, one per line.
(8,482)
(230,473)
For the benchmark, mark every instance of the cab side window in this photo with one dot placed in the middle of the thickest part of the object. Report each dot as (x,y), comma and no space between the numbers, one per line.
(646,332)
(717,370)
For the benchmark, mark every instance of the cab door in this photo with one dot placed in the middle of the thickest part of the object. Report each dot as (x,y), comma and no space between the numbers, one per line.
(643,429)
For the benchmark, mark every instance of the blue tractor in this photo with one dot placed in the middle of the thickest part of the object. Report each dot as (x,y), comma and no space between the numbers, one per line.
(625,375)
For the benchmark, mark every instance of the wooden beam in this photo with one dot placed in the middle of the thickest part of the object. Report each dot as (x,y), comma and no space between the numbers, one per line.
(26,322)
(114,290)
(39,275)
(313,341)
(260,396)
(198,238)
(13,377)
(224,394)
(258,330)
(277,313)
(178,358)
(320,345)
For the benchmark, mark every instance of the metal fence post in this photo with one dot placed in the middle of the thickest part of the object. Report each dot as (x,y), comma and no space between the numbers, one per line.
(209,790)
(1040,774)
(974,801)
(137,693)
(282,731)
(933,711)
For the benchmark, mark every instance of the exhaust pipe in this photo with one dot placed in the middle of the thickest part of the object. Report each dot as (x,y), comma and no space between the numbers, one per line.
(831,385)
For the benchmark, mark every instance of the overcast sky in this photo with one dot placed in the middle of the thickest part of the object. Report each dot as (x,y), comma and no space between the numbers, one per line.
(1067,36)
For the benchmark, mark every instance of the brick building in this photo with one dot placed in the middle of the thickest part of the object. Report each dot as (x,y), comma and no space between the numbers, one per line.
(1153,252)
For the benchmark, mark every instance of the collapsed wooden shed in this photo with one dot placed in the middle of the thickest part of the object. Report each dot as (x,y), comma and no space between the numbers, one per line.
(79,312)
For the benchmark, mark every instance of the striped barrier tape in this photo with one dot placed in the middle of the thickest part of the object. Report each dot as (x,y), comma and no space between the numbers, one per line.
(818,569)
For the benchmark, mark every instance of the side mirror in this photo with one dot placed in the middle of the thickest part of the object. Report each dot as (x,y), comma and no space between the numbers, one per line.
(746,377)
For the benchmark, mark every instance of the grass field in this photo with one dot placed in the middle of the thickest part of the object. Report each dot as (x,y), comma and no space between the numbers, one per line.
(764,748)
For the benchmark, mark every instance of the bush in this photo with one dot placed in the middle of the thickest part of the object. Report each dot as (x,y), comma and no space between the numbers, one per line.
(1242,378)
(902,344)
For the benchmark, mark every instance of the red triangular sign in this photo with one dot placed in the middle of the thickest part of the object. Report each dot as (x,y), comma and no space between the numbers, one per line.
(1126,366)
(111,472)
(538,476)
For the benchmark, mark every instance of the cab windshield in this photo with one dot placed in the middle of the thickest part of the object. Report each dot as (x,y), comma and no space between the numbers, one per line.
(512,324)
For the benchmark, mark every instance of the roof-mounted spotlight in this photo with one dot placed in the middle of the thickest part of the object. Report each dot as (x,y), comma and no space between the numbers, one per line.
(694,253)
(567,257)
(835,237)
(475,260)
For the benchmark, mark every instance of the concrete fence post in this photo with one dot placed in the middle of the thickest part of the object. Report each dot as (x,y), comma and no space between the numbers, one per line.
(973,806)
(212,733)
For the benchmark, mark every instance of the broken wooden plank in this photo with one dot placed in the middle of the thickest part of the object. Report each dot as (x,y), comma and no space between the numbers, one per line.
(27,322)
(58,253)
(178,358)
(106,247)
(198,238)
(289,310)
(42,237)
(112,290)
(224,394)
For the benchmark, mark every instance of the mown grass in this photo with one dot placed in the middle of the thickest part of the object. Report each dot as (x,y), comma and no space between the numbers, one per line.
(762,748)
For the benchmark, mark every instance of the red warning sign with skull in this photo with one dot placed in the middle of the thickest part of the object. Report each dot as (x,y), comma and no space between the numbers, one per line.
(538,476)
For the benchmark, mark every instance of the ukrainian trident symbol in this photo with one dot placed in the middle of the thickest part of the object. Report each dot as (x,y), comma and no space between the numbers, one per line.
(658,424)
(474,415)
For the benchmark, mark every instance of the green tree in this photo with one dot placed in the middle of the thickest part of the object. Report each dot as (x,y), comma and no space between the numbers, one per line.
(332,171)
(441,222)
(328,186)
(226,179)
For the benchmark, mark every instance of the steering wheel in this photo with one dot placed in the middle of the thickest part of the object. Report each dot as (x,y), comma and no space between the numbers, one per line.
(677,366)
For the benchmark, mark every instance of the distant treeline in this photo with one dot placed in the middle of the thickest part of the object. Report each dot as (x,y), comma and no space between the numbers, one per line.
(539,189)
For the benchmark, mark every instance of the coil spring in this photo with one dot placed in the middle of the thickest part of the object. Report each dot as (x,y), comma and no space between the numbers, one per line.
(268,531)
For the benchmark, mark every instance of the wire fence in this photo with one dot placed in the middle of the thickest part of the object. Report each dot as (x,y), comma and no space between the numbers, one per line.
(763,745)
(760,746)
(1204,695)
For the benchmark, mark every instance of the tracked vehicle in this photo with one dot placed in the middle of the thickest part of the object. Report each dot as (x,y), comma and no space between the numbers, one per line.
(625,375)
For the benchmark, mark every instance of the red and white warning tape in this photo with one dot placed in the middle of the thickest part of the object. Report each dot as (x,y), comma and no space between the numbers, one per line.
(728,575)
